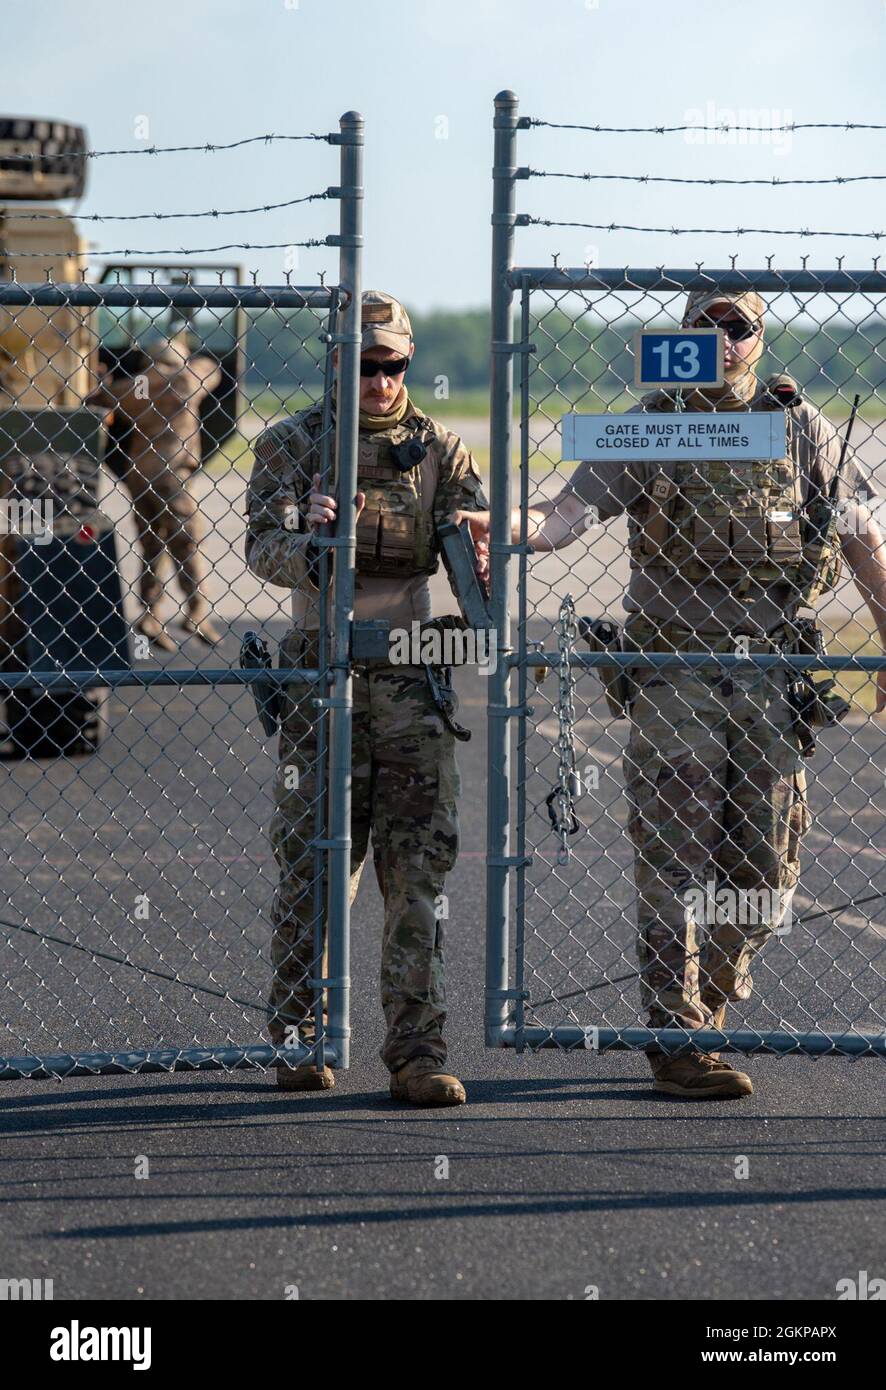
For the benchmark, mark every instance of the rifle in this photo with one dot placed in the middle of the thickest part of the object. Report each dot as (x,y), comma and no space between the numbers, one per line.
(835,481)
(461,562)
(813,705)
(821,525)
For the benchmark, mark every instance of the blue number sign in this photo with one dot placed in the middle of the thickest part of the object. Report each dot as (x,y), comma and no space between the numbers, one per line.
(683,357)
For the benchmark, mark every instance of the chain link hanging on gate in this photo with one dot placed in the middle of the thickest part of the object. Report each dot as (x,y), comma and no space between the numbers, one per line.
(561,801)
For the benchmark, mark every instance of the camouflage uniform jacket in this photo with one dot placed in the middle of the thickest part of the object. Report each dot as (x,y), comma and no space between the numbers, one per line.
(279,545)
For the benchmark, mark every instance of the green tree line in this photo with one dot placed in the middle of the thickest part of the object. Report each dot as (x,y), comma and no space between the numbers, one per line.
(577,357)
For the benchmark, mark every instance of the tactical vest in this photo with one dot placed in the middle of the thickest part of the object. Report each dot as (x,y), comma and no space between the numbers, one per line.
(739,521)
(396,535)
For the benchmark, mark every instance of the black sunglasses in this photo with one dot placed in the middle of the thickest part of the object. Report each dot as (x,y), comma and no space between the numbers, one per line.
(738,330)
(369,366)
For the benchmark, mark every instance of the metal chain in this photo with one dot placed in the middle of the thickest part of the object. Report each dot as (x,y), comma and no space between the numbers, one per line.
(561,801)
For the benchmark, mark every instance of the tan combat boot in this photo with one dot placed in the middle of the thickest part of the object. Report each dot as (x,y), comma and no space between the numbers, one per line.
(421,1082)
(198,623)
(150,627)
(304,1077)
(698,1076)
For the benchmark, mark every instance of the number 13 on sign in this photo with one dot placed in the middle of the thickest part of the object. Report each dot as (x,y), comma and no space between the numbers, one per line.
(684,357)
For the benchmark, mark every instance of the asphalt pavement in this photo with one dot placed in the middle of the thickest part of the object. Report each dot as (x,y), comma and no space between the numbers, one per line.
(565,1177)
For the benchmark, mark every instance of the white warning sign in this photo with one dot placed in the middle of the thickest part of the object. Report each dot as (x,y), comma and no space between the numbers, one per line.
(752,434)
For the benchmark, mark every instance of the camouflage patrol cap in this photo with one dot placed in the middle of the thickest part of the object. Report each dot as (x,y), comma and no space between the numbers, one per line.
(747,302)
(385,322)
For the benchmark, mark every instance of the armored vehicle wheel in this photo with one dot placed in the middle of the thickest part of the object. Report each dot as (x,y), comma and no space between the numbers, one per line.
(51,726)
(54,165)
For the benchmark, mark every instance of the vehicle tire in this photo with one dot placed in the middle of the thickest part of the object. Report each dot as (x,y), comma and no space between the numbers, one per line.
(52,726)
(55,166)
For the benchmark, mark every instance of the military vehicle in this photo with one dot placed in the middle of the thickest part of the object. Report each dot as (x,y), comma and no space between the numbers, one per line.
(61,600)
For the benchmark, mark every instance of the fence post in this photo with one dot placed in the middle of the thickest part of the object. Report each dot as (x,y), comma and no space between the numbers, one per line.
(346,424)
(500,407)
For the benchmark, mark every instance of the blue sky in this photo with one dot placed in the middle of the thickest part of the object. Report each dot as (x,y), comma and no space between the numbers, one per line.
(202,71)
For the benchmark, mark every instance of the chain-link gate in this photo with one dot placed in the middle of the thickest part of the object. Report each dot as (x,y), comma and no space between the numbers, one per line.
(139,774)
(581,878)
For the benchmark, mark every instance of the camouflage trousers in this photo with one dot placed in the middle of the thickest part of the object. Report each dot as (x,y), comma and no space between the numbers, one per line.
(169,522)
(717,801)
(404,790)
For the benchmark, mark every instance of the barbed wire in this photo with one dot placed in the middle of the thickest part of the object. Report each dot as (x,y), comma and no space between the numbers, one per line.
(661,178)
(166,216)
(527,121)
(183,250)
(525,220)
(207,148)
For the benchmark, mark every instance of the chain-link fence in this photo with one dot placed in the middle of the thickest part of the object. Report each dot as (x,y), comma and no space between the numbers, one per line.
(140,774)
(692,856)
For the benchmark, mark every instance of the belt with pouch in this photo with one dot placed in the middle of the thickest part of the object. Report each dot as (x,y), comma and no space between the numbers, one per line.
(371,652)
(814,705)
(641,635)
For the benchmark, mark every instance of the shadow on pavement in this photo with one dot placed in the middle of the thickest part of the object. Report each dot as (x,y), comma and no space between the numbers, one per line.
(435,1210)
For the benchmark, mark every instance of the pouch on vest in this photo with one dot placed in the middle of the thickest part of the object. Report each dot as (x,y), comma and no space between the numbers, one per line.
(784,536)
(397,541)
(367,538)
(711,535)
(744,523)
(394,533)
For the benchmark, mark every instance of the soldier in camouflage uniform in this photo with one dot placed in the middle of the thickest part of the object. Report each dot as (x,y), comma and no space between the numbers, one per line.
(159,407)
(716,789)
(405,783)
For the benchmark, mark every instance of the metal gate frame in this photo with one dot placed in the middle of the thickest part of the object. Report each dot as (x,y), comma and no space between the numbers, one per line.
(331,846)
(504,994)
